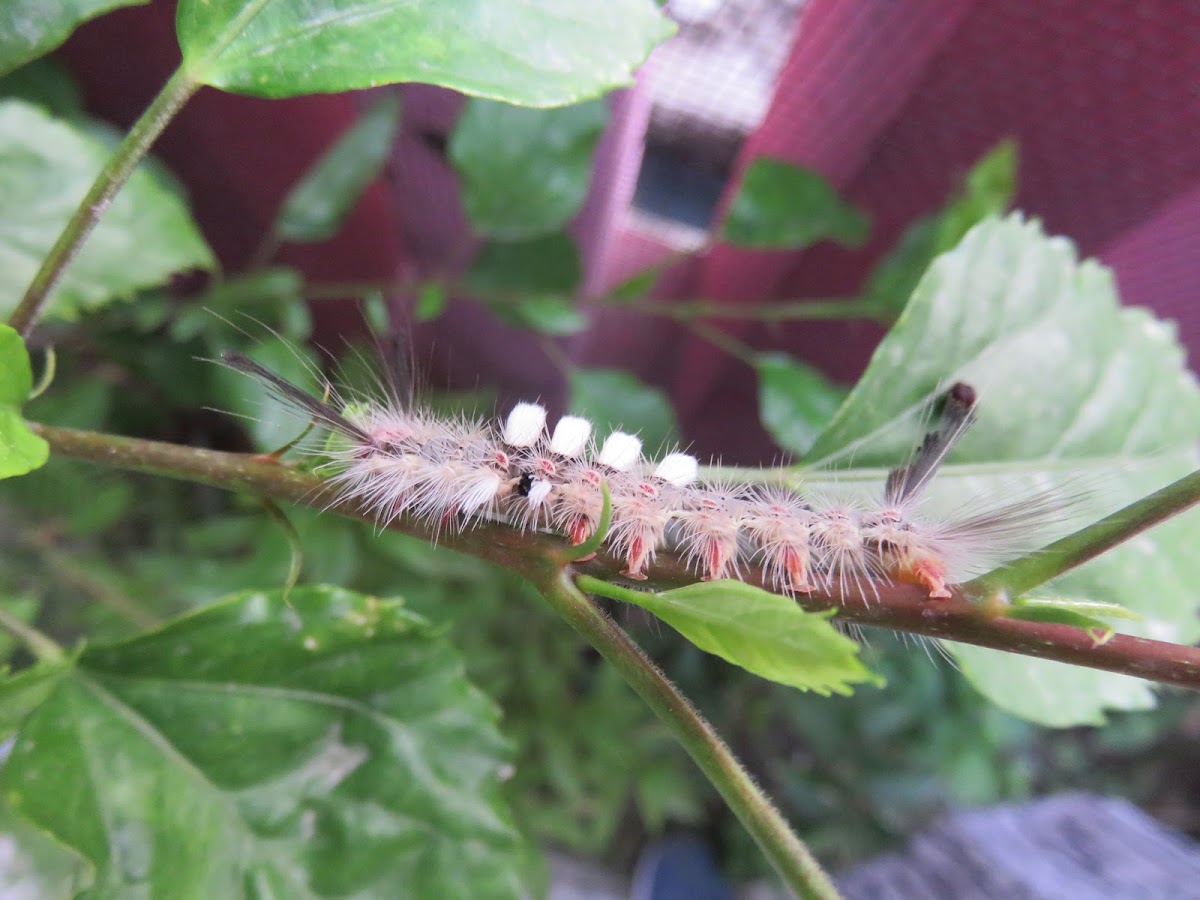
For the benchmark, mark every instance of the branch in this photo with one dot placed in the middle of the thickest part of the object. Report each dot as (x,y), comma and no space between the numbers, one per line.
(111,179)
(901,607)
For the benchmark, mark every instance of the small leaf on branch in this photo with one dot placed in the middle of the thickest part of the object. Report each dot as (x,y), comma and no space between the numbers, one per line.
(548,263)
(795,401)
(780,206)
(524,172)
(318,204)
(764,633)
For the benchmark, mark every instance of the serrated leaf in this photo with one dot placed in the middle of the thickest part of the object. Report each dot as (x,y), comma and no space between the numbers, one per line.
(524,172)
(21,450)
(548,264)
(764,633)
(318,204)
(327,747)
(30,28)
(614,399)
(535,52)
(46,166)
(795,401)
(1076,394)
(781,206)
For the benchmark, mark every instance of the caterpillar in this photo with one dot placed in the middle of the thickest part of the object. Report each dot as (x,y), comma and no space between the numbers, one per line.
(394,459)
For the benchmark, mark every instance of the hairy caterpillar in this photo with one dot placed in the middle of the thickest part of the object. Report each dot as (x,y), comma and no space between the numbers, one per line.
(393,458)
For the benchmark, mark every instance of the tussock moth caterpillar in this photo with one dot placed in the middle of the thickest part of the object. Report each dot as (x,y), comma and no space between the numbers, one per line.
(392,458)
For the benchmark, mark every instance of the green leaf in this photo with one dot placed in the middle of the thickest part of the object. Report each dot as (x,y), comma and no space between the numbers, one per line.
(46,83)
(431,301)
(546,264)
(795,401)
(763,633)
(24,692)
(780,206)
(33,865)
(21,450)
(1041,609)
(327,747)
(524,172)
(30,28)
(636,286)
(1076,394)
(987,190)
(534,52)
(614,399)
(46,166)
(318,204)
(1050,693)
(546,313)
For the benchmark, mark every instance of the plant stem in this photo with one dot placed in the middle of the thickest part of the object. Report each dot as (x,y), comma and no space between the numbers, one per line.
(722,341)
(903,607)
(789,855)
(782,311)
(40,645)
(112,177)
(1075,549)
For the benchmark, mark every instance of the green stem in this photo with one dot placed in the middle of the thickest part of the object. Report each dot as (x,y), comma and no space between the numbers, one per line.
(1037,568)
(40,645)
(731,345)
(787,853)
(782,311)
(112,177)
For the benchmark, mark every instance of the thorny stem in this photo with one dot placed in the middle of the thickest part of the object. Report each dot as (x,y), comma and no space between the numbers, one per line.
(902,607)
(111,179)
(767,826)
(1028,572)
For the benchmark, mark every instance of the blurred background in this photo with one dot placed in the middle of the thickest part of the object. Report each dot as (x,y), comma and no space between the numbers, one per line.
(893,102)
